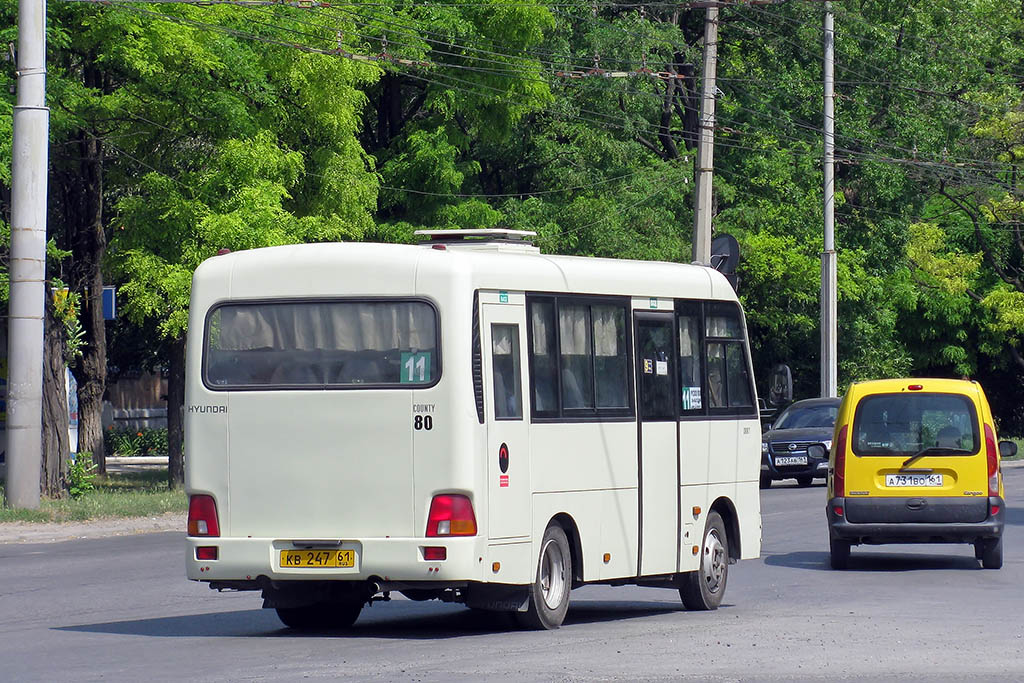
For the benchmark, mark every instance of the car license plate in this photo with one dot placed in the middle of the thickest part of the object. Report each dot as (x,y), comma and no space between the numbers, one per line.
(900,480)
(318,558)
(790,460)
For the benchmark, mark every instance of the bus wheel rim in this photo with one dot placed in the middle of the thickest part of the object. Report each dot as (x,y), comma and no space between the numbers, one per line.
(714,561)
(552,575)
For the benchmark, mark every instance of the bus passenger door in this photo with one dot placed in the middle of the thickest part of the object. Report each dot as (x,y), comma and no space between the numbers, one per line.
(658,453)
(505,408)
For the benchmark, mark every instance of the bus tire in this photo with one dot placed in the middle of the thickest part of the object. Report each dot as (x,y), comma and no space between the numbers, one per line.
(704,589)
(321,615)
(549,593)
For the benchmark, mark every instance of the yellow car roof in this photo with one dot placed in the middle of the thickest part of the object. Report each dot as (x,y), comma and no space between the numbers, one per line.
(935,384)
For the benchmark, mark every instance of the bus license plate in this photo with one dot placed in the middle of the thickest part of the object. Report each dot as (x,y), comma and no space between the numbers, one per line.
(318,558)
(899,480)
(790,460)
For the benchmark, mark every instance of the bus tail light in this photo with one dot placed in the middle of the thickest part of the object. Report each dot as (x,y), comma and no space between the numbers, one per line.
(839,465)
(451,515)
(992,451)
(202,516)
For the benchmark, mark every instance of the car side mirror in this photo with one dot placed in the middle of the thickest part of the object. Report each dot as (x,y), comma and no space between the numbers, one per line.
(816,450)
(1007,449)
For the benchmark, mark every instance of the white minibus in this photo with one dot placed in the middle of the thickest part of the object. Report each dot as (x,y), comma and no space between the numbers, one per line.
(466,419)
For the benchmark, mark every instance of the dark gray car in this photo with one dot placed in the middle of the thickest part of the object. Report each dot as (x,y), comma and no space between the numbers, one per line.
(784,447)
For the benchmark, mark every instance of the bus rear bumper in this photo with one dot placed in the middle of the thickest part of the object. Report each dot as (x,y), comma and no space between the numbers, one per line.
(383,560)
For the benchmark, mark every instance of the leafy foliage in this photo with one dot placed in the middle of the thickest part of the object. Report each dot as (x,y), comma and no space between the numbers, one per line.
(81,473)
(229,127)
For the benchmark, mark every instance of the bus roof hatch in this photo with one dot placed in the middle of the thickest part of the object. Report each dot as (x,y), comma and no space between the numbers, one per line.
(491,239)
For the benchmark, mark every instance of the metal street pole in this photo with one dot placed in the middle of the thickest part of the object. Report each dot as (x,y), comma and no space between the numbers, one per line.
(829,349)
(28,261)
(706,144)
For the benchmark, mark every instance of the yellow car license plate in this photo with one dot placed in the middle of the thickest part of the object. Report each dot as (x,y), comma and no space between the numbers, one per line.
(318,558)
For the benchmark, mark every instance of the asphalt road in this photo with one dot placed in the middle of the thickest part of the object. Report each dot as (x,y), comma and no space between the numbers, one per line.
(120,609)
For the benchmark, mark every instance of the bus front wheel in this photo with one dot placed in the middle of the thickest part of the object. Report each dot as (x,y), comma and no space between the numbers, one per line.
(704,589)
(549,593)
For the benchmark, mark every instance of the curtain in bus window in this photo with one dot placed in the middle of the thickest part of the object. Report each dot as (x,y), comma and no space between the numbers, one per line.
(716,375)
(611,364)
(542,358)
(322,343)
(508,401)
(690,362)
(577,372)
(723,321)
(340,326)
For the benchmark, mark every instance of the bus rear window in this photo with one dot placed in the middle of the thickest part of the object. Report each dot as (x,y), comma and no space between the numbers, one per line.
(321,344)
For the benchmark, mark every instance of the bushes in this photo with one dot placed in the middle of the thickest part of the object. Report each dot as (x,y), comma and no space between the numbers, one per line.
(80,474)
(132,442)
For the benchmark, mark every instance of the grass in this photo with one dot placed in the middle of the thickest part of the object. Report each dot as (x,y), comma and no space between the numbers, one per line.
(132,494)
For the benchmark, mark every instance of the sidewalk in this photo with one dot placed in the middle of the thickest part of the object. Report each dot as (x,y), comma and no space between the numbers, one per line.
(50,532)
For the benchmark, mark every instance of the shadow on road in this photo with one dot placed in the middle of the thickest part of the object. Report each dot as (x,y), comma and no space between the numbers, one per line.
(399,620)
(874,561)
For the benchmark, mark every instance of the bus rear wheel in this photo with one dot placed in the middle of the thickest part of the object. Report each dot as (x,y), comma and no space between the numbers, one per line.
(705,588)
(549,593)
(321,615)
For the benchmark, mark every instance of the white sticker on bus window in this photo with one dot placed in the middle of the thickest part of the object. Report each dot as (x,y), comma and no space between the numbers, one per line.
(662,368)
(415,368)
(691,398)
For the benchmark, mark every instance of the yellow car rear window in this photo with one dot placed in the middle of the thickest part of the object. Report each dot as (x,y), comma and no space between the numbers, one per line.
(904,424)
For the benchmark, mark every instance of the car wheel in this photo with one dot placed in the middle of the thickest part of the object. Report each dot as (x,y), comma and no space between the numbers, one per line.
(839,553)
(804,481)
(549,594)
(704,589)
(766,481)
(321,616)
(992,557)
(979,549)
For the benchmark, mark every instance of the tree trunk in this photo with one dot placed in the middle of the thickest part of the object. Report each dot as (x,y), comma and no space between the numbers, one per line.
(89,248)
(175,412)
(53,477)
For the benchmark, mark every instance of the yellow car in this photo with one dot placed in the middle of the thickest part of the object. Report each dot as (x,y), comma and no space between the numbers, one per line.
(916,461)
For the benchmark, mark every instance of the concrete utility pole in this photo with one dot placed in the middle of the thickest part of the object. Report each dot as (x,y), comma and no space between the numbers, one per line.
(706,144)
(829,350)
(28,261)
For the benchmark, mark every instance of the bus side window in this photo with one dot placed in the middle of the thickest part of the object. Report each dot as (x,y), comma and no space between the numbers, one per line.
(728,374)
(542,359)
(574,333)
(611,364)
(508,398)
(690,358)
